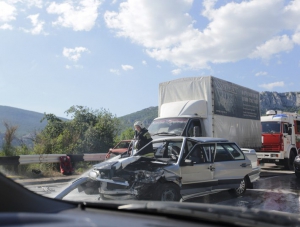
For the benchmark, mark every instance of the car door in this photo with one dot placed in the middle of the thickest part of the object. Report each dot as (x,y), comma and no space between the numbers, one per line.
(231,166)
(196,171)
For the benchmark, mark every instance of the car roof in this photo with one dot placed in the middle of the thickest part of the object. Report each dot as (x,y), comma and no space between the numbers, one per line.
(198,139)
(209,139)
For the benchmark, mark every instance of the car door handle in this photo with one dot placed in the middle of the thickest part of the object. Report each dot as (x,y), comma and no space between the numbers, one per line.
(244,165)
(211,168)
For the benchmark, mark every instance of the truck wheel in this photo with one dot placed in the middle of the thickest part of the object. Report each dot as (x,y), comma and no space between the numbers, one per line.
(236,192)
(289,162)
(167,192)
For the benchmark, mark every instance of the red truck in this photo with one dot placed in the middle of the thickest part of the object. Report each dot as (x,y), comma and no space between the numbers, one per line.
(280,138)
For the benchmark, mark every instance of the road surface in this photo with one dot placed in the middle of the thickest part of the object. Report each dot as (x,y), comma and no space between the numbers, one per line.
(276,190)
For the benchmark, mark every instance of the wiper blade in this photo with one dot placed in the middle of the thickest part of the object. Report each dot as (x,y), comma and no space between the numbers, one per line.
(165,133)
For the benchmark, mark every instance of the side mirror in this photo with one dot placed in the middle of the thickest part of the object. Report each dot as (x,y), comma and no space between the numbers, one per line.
(290,131)
(196,131)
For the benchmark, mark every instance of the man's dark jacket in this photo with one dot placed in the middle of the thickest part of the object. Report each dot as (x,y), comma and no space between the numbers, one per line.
(143,138)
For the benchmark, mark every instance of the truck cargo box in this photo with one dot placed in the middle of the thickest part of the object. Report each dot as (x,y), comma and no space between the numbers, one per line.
(228,110)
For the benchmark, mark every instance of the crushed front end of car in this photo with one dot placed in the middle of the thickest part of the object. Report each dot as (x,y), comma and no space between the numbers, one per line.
(132,178)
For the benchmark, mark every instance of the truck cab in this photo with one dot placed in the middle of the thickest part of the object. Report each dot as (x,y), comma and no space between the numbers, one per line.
(280,138)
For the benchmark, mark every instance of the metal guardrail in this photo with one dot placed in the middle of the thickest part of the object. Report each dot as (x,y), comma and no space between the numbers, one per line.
(49,158)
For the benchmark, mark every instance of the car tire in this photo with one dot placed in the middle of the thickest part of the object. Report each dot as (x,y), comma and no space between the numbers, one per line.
(236,192)
(167,192)
(289,162)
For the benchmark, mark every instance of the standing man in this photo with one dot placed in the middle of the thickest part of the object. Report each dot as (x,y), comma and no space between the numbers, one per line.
(142,135)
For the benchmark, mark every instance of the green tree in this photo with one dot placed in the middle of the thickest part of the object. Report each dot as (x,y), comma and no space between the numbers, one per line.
(88,131)
(9,135)
(128,134)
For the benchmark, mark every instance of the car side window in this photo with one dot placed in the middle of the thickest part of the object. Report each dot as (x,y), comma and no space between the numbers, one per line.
(209,151)
(234,151)
(197,155)
(222,154)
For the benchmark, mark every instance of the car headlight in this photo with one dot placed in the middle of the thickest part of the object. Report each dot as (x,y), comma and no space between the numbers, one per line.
(94,174)
(147,176)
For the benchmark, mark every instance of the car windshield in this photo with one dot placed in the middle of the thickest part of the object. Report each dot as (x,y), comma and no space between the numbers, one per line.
(169,149)
(173,101)
(270,127)
(168,126)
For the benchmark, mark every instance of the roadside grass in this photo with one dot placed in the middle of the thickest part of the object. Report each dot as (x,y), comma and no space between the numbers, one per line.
(41,170)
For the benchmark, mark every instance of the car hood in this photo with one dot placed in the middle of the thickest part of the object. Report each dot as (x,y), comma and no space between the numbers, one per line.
(118,163)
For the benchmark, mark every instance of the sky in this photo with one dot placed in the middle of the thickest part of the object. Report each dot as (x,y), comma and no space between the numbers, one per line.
(113,54)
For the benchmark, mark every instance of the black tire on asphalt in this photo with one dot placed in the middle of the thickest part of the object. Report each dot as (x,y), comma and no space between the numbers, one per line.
(241,189)
(289,162)
(167,192)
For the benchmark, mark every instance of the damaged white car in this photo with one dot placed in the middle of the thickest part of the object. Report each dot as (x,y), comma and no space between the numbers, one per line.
(170,169)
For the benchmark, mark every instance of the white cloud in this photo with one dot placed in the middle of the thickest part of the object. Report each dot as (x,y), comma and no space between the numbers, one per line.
(74,54)
(235,31)
(115,71)
(271,86)
(127,67)
(273,46)
(37,25)
(6,27)
(296,38)
(7,12)
(79,17)
(261,74)
(144,62)
(176,71)
(68,67)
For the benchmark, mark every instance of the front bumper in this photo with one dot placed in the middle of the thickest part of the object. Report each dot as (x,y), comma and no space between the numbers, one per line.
(255,174)
(270,157)
(135,192)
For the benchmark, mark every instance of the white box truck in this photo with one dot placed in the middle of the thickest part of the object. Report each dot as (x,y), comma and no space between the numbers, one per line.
(208,107)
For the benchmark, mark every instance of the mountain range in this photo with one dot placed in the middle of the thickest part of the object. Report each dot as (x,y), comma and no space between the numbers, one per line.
(29,121)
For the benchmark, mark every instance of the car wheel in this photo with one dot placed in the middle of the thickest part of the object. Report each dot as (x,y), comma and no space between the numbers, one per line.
(289,162)
(240,190)
(167,192)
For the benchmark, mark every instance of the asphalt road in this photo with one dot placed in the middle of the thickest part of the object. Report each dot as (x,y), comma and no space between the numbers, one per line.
(277,189)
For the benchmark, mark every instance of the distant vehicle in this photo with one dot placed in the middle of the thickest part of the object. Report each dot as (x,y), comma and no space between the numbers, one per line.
(210,107)
(177,168)
(120,148)
(280,138)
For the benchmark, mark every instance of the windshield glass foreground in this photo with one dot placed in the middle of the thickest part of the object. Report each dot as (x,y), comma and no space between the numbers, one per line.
(76,75)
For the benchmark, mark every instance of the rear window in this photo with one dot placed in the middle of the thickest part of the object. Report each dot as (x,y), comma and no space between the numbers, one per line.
(228,152)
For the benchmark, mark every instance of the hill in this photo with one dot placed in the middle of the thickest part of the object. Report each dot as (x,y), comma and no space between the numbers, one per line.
(287,101)
(146,116)
(27,121)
